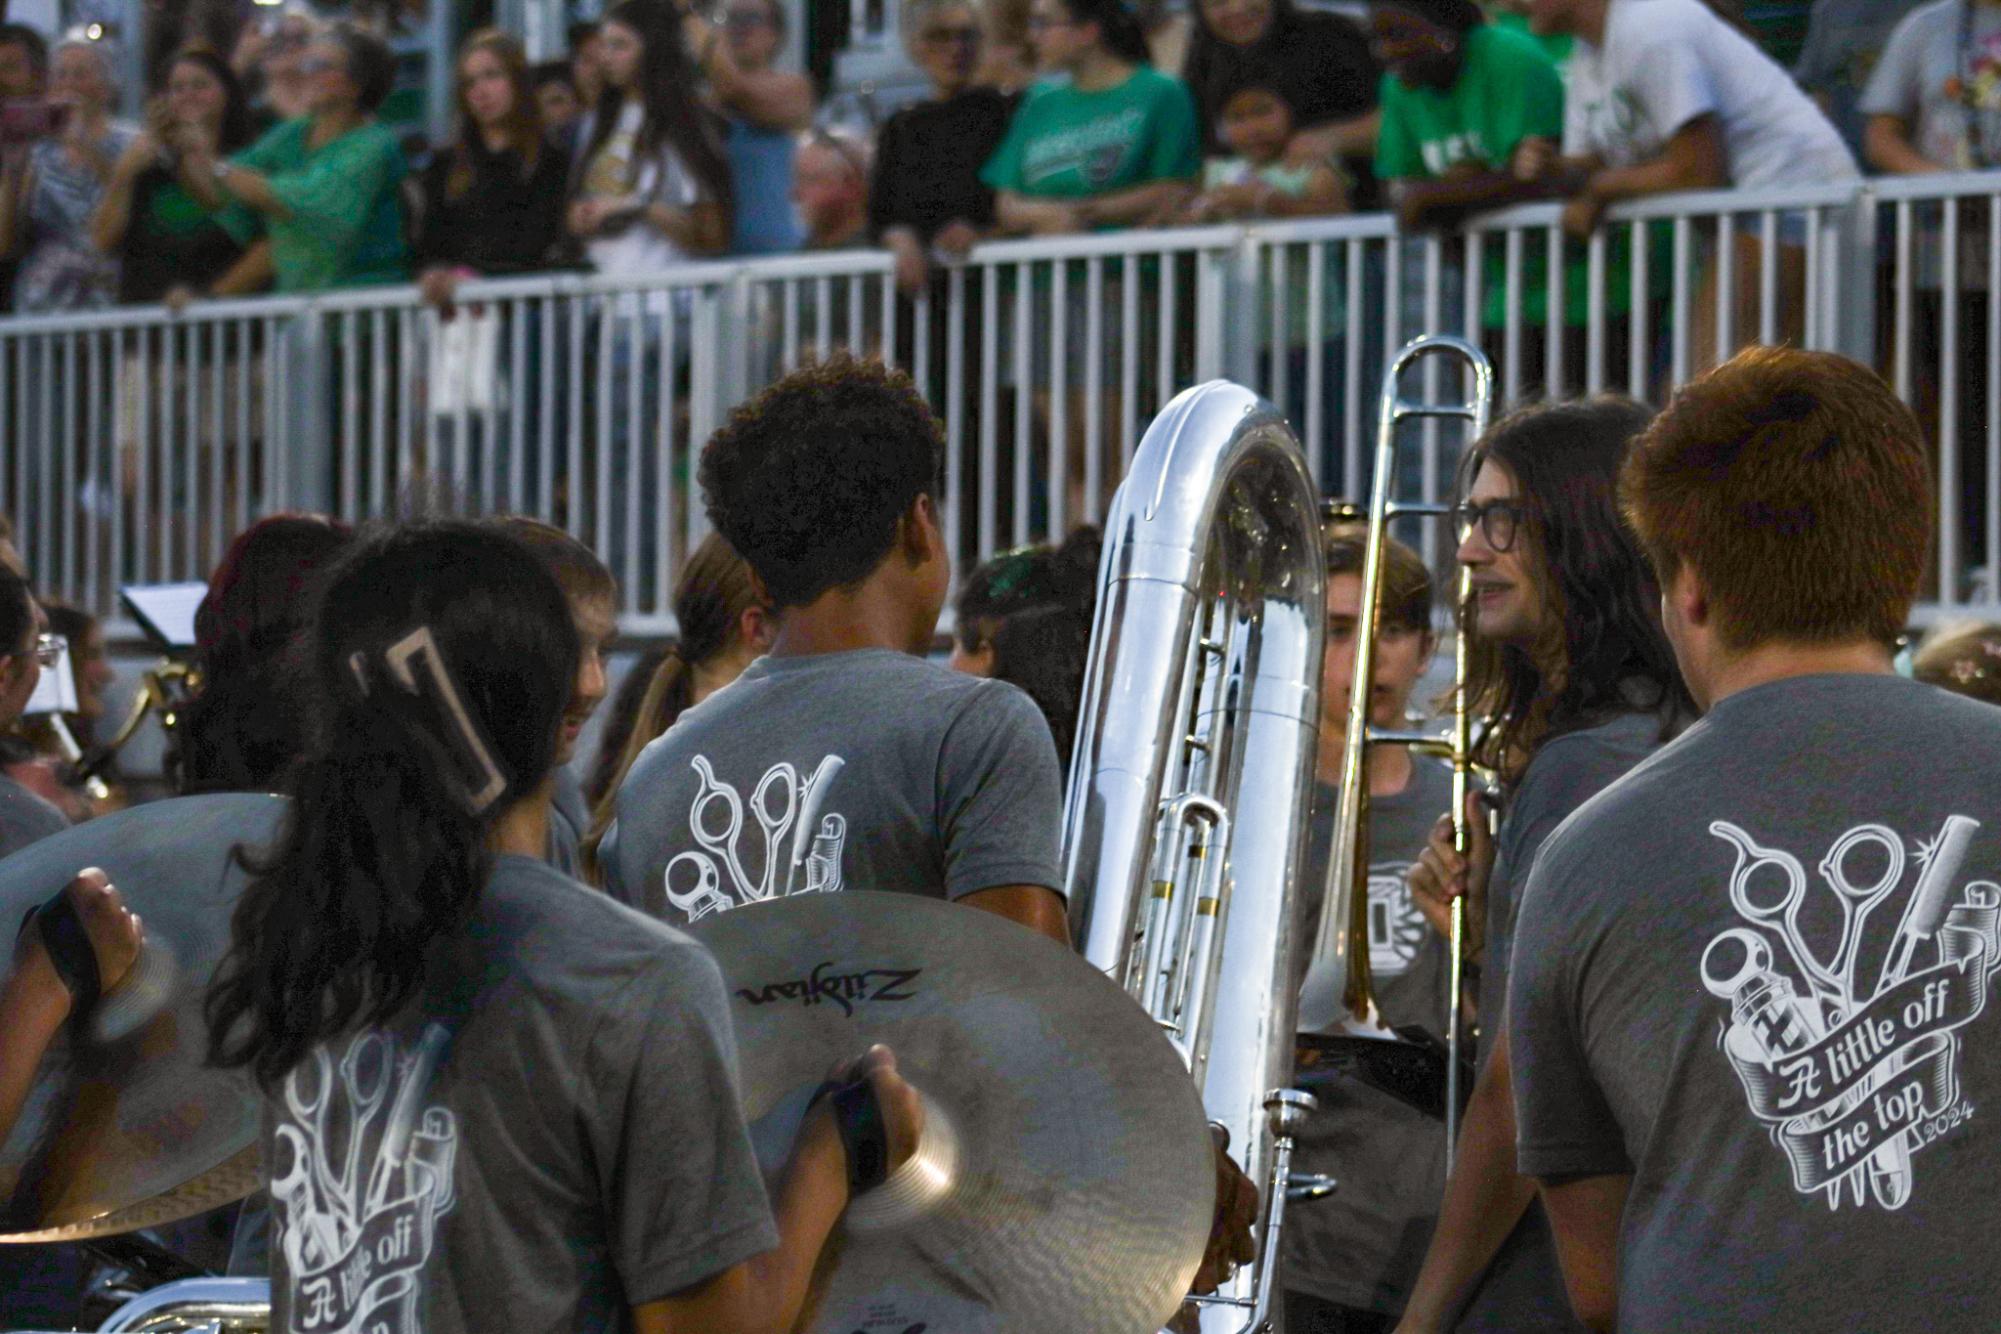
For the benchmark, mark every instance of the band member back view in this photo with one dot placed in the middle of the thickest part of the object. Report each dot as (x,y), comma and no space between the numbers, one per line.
(842,760)
(1749,1006)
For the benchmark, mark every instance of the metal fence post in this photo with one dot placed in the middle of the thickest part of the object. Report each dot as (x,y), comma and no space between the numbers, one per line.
(1235,316)
(306,417)
(1853,294)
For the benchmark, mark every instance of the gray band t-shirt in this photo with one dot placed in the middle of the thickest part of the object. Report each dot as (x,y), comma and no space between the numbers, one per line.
(865,770)
(1754,975)
(1361,1246)
(546,1136)
(1523,1289)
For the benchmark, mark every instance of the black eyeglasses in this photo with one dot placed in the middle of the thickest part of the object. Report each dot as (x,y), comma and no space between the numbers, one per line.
(1498,520)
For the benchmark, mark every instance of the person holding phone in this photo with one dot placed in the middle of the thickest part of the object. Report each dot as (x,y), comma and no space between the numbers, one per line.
(49,191)
(328,185)
(169,246)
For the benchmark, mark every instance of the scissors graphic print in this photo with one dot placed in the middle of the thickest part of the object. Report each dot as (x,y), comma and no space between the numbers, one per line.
(322,1195)
(720,845)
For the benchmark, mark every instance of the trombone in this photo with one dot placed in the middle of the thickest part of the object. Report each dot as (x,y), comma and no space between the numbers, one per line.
(1341,949)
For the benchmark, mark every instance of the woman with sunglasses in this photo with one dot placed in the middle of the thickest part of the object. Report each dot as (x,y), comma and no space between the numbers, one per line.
(1578,684)
(329,184)
(927,197)
(536,1087)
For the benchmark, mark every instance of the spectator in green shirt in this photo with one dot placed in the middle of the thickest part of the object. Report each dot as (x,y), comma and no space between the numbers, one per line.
(1460,96)
(328,184)
(1113,145)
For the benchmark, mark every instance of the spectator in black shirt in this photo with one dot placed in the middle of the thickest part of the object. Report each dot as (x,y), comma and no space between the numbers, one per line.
(493,199)
(170,245)
(927,195)
(1318,63)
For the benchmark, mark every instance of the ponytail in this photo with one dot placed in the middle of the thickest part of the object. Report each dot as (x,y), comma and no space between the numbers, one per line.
(440,659)
(709,602)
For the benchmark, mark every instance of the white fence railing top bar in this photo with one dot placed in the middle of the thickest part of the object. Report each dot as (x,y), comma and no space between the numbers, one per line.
(135,442)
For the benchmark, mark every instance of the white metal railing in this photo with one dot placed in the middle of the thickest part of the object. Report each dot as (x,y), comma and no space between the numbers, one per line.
(134,443)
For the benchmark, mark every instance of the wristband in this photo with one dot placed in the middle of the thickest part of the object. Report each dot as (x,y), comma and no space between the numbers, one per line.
(70,950)
(864,1135)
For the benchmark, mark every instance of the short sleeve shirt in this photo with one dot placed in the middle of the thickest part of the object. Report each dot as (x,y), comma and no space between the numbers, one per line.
(1508,90)
(1754,975)
(549,1135)
(869,770)
(1064,143)
(1666,63)
(1524,1287)
(612,173)
(1941,76)
(1362,1246)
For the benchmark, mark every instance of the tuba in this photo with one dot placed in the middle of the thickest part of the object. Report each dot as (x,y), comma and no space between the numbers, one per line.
(1186,819)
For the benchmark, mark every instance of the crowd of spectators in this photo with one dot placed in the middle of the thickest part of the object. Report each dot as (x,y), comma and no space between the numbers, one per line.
(673,132)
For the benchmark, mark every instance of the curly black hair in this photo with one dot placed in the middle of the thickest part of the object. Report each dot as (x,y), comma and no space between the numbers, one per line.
(809,479)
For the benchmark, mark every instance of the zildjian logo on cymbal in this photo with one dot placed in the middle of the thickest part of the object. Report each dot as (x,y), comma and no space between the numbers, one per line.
(844,989)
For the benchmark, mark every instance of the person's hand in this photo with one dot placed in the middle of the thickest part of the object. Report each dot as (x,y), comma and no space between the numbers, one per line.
(912,269)
(437,286)
(1582,214)
(1053,219)
(1441,875)
(179,297)
(1412,215)
(956,238)
(115,933)
(902,1109)
(587,216)
(1534,159)
(1230,1241)
(1244,199)
(141,153)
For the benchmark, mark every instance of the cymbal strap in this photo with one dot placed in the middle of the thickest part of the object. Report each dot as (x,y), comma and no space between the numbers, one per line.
(70,950)
(864,1133)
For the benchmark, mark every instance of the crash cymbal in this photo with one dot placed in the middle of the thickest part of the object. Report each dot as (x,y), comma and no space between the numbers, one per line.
(1065,1180)
(141,1130)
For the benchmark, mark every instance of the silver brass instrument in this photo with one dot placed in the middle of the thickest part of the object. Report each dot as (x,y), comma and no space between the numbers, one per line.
(1341,955)
(1186,820)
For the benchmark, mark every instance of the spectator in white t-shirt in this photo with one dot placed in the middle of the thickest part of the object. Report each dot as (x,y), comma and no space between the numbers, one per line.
(652,184)
(1663,96)
(1934,101)
(1934,105)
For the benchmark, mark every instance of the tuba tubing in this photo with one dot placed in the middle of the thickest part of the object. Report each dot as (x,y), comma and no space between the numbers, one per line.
(1186,818)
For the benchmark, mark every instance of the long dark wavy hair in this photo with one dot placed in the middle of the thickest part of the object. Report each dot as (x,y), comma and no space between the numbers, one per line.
(666,88)
(1600,649)
(383,853)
